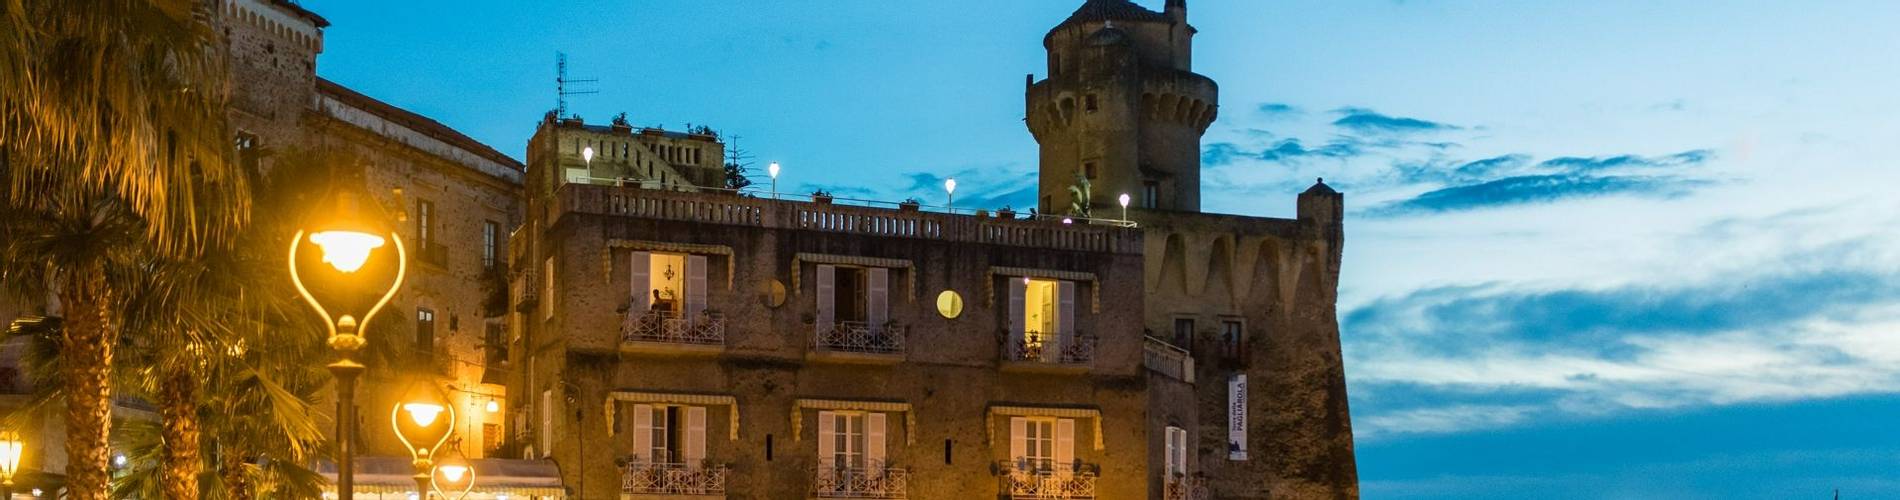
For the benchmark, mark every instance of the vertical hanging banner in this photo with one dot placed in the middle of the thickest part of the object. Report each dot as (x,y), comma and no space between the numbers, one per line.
(1237,416)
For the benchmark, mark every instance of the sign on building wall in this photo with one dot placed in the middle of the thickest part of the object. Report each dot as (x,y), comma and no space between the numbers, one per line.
(1237,417)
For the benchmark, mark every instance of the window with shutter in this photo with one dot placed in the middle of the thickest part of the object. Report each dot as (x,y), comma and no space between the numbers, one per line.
(877,290)
(1017,318)
(1175,452)
(1064,443)
(695,286)
(643,434)
(874,440)
(1065,315)
(827,440)
(695,436)
(826,274)
(640,281)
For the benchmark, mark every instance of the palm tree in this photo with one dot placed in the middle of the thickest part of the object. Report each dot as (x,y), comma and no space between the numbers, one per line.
(111,122)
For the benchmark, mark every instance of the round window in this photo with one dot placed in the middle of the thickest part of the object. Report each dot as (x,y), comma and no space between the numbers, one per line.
(772,293)
(949,304)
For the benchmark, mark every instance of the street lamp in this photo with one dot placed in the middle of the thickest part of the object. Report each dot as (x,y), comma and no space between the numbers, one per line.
(1124,200)
(10,449)
(347,263)
(950,188)
(421,424)
(772,170)
(453,474)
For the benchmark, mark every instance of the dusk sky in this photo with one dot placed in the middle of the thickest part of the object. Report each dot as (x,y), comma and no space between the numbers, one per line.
(1594,250)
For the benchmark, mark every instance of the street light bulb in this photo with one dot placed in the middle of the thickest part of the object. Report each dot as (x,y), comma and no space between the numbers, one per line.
(587,155)
(950,185)
(346,250)
(494,406)
(772,170)
(423,413)
(1124,200)
(454,473)
(10,449)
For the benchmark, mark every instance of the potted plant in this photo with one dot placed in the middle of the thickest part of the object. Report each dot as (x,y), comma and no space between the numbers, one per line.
(910,205)
(821,196)
(1005,213)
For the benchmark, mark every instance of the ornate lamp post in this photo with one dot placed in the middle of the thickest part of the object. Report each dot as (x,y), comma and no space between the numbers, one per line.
(10,449)
(347,262)
(454,477)
(950,190)
(423,420)
(772,170)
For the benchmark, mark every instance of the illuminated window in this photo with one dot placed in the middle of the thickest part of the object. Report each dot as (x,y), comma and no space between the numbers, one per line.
(425,331)
(949,304)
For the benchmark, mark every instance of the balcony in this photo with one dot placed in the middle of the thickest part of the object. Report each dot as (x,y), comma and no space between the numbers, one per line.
(1185,488)
(859,482)
(860,341)
(433,253)
(1166,359)
(1021,481)
(1038,351)
(641,478)
(668,332)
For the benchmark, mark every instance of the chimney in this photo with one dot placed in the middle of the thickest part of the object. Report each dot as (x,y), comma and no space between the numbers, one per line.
(1177,11)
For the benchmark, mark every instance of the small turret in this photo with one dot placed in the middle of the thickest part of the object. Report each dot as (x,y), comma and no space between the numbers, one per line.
(1323,207)
(1177,10)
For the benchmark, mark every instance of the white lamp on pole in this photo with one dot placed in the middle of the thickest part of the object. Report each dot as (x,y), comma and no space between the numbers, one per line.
(950,188)
(1124,200)
(773,171)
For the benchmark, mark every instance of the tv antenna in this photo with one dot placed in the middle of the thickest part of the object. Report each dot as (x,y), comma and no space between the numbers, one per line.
(560,85)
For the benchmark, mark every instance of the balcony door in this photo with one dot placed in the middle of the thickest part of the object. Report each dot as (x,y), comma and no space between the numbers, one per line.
(1042,444)
(1042,318)
(669,434)
(852,295)
(851,440)
(670,283)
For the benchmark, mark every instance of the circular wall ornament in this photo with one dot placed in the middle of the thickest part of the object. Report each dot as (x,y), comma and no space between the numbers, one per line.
(772,293)
(949,304)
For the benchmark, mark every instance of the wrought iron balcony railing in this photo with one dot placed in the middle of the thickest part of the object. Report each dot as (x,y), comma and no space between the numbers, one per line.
(873,481)
(640,478)
(1039,347)
(668,327)
(1185,488)
(1028,480)
(863,338)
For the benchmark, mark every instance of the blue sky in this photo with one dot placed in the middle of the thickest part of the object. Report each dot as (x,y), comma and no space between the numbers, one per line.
(1596,250)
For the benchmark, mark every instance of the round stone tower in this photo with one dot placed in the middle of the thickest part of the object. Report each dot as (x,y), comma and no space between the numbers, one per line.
(1121,108)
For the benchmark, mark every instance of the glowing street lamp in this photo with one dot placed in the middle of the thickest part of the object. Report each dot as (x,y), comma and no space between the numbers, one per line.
(1124,200)
(347,262)
(950,189)
(772,170)
(454,476)
(10,450)
(423,420)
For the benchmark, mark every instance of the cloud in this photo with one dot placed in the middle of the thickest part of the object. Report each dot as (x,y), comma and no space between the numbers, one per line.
(1367,121)
(1460,358)
(1279,110)
(1528,189)
(1584,164)
(989,189)
(1284,151)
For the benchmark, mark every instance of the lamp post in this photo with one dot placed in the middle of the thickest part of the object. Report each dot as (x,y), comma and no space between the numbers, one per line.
(421,426)
(772,170)
(10,449)
(357,265)
(950,189)
(1124,200)
(453,474)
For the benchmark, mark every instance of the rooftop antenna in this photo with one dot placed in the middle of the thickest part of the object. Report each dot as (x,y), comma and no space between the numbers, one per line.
(560,85)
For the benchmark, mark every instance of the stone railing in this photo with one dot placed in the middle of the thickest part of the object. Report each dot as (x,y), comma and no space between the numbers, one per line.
(1039,483)
(667,327)
(673,479)
(875,481)
(1185,488)
(863,338)
(730,209)
(1166,359)
(1035,347)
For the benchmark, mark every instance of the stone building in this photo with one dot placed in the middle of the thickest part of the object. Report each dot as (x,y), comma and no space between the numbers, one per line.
(678,342)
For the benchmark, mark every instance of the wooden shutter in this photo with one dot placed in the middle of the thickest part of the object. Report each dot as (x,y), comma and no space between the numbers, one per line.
(1065,444)
(1172,454)
(695,435)
(1017,288)
(695,286)
(826,448)
(826,276)
(641,282)
(643,434)
(877,299)
(1065,317)
(1018,438)
(874,441)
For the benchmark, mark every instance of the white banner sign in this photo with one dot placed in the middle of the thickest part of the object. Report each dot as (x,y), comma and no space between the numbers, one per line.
(1237,417)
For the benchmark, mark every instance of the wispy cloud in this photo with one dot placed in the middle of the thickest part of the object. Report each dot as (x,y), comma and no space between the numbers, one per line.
(1279,110)
(1529,189)
(1364,120)
(1579,164)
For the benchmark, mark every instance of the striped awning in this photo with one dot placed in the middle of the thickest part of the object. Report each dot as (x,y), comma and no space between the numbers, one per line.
(1093,415)
(799,407)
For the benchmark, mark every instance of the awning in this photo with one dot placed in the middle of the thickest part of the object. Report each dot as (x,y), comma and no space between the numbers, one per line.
(518,479)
